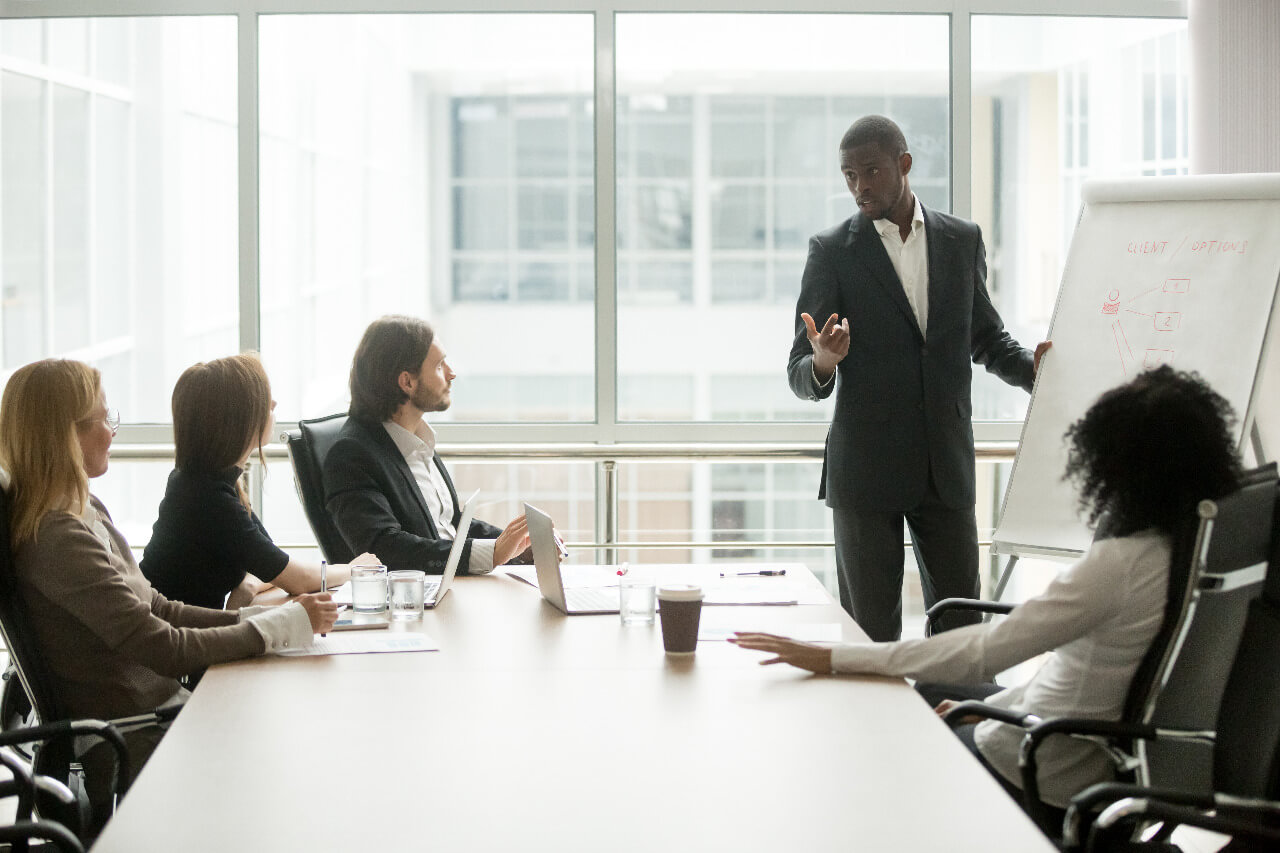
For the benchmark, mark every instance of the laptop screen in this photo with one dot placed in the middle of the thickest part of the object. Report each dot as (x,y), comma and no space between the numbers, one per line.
(459,545)
(546,556)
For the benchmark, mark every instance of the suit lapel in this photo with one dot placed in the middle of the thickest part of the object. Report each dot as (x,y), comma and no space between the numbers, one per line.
(455,513)
(940,244)
(867,247)
(393,454)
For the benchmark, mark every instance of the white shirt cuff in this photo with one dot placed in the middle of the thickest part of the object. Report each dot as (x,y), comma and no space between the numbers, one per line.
(821,385)
(858,657)
(481,556)
(253,610)
(285,627)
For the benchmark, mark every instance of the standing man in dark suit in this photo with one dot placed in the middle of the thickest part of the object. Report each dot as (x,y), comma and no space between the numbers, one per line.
(903,293)
(383,481)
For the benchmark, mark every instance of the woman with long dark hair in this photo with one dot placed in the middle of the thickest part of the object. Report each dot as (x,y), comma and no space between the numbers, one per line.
(208,546)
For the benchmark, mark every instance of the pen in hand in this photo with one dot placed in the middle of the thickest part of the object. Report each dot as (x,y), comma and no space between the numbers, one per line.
(324,584)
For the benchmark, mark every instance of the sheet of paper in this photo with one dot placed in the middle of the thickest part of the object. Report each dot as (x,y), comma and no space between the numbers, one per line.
(365,642)
(571,576)
(750,590)
(342,595)
(817,632)
(757,592)
(794,592)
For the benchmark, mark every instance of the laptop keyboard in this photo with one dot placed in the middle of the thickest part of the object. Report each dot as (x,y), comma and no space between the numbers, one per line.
(429,590)
(592,598)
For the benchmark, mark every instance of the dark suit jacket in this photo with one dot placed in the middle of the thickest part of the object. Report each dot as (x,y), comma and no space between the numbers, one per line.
(377,505)
(902,403)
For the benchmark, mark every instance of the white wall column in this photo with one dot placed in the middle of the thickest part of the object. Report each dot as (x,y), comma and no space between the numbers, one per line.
(1235,102)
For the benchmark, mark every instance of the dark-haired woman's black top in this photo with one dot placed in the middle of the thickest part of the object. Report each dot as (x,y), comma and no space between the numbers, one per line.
(205,541)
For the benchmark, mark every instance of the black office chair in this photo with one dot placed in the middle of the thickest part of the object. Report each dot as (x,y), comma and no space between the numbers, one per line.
(1217,564)
(23,785)
(308,445)
(1244,800)
(53,739)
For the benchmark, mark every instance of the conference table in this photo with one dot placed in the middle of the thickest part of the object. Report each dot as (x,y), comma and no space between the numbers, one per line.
(532,730)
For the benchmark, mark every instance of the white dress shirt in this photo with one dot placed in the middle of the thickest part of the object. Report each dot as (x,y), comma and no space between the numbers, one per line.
(910,259)
(1097,618)
(419,449)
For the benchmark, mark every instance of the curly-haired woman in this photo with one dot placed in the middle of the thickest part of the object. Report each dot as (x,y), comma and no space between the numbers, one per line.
(1099,616)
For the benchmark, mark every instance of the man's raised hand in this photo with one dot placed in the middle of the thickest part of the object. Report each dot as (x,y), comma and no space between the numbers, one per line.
(830,346)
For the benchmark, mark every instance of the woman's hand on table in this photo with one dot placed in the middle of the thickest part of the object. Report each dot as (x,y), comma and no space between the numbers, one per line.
(321,609)
(808,656)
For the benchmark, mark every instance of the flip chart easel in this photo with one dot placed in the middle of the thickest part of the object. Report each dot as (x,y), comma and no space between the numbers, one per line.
(1180,271)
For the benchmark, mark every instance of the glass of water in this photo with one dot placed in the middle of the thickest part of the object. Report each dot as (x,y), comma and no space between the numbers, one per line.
(636,600)
(407,593)
(369,589)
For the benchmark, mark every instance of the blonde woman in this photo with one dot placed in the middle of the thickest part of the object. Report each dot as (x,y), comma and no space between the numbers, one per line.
(114,646)
(207,542)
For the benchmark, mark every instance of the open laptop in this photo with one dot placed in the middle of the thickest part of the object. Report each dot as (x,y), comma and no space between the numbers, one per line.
(546,559)
(436,590)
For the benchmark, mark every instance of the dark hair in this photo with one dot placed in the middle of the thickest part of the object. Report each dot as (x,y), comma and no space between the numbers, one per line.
(390,346)
(875,129)
(1147,452)
(220,409)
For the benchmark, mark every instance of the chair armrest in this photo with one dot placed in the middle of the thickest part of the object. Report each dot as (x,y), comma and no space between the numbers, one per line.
(1078,727)
(972,707)
(21,784)
(108,731)
(1243,821)
(934,613)
(1086,804)
(44,830)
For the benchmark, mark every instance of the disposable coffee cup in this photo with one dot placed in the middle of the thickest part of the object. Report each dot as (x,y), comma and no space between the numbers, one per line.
(679,609)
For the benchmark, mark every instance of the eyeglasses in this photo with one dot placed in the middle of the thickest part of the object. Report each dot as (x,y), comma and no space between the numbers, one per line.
(111,418)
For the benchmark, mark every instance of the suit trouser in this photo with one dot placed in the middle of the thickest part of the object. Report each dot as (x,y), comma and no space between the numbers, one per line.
(870,560)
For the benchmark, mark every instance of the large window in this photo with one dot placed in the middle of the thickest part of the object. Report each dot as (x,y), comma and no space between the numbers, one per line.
(1057,101)
(461,166)
(118,198)
(443,167)
(727,164)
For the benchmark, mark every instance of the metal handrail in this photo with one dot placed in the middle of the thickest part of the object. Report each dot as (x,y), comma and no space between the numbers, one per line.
(606,457)
(990,451)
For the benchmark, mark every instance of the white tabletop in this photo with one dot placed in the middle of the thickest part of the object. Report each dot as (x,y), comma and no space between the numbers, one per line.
(530,730)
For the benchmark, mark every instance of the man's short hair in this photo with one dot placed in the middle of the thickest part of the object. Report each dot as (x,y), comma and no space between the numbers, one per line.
(878,129)
(391,345)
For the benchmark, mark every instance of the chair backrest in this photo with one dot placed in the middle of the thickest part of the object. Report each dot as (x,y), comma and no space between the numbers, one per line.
(18,636)
(1246,754)
(308,445)
(54,758)
(1227,567)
